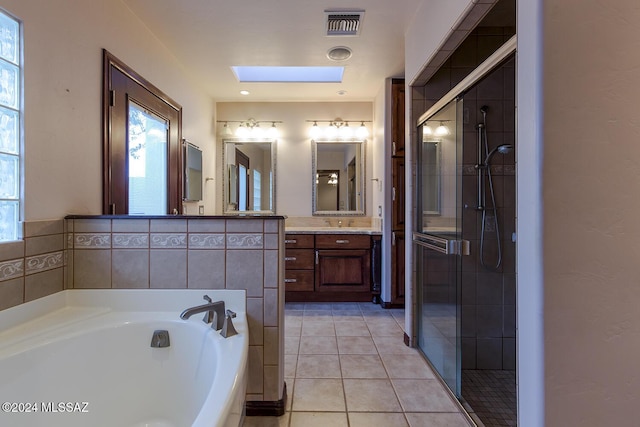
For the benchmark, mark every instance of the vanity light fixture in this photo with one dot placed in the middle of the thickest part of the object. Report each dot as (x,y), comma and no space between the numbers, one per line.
(338,129)
(251,129)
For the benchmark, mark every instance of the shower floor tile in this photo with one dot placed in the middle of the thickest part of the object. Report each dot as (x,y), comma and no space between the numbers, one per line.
(491,394)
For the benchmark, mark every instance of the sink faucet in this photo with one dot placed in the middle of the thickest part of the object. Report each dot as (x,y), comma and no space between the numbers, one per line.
(215,313)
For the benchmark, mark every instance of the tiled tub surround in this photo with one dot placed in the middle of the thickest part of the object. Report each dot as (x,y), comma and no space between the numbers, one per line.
(162,253)
(33,267)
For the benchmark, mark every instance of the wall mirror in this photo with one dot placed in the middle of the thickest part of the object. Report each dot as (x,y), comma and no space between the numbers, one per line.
(431,160)
(249,176)
(338,177)
(192,168)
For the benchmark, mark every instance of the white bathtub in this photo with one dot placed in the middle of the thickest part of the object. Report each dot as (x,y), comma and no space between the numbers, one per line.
(83,358)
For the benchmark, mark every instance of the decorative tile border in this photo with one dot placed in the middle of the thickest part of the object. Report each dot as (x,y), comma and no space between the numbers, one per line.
(206,241)
(245,241)
(131,240)
(11,269)
(38,263)
(168,240)
(92,240)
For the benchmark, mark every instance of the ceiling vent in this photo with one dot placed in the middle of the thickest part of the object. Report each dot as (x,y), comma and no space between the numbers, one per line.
(344,22)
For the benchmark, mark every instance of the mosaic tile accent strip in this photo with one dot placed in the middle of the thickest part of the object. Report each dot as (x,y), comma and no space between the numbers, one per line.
(244,241)
(491,395)
(206,241)
(92,240)
(38,263)
(168,240)
(11,269)
(131,240)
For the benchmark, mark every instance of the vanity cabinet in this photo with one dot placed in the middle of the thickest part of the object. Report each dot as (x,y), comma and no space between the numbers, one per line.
(329,267)
(299,262)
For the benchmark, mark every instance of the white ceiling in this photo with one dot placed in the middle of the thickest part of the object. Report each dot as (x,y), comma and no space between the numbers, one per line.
(210,36)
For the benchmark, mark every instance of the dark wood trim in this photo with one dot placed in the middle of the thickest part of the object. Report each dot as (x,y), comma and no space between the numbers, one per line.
(385,304)
(268,408)
(407,340)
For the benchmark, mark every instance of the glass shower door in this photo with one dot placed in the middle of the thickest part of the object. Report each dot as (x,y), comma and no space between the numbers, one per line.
(437,241)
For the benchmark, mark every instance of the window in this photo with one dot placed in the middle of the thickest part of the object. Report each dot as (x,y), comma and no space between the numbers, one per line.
(10,126)
(142,173)
(257,190)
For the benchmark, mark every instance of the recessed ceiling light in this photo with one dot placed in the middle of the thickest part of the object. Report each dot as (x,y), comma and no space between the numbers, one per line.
(339,53)
(266,74)
(244,92)
(342,92)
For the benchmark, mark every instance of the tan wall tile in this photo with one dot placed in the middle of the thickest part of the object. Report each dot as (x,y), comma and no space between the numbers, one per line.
(11,293)
(43,244)
(206,269)
(42,284)
(168,268)
(130,268)
(92,268)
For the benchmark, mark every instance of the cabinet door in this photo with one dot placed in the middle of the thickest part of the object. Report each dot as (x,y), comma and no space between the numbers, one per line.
(343,270)
(397,268)
(397,117)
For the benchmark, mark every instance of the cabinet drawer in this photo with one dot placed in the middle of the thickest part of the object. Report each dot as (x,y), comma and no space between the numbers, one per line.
(343,241)
(299,259)
(298,280)
(296,241)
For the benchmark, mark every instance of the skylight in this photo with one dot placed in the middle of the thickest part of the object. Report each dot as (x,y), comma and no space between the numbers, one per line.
(265,74)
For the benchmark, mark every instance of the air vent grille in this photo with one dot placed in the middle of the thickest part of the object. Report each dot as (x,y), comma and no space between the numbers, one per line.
(344,23)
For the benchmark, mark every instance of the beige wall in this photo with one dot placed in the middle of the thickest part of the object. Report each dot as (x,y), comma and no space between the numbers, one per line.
(293,163)
(62,107)
(591,181)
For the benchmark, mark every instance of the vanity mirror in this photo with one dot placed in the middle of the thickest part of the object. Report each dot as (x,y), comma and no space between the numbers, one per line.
(338,174)
(249,176)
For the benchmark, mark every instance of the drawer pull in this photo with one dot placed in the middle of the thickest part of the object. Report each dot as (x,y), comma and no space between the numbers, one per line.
(290,280)
(291,241)
(290,258)
(342,241)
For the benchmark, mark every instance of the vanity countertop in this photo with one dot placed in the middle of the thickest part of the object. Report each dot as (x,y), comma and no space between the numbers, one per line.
(332,230)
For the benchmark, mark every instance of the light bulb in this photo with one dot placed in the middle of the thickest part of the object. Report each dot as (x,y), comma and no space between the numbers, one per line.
(242,131)
(332,131)
(362,131)
(345,131)
(272,132)
(256,131)
(315,131)
(426,130)
(442,130)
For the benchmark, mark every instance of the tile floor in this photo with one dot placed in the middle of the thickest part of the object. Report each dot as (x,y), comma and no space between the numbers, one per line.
(346,365)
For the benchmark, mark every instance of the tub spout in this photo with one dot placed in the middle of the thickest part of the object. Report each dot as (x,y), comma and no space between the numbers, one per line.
(215,313)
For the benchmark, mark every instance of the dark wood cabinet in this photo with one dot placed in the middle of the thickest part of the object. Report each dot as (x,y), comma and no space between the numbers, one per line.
(397,265)
(329,267)
(397,117)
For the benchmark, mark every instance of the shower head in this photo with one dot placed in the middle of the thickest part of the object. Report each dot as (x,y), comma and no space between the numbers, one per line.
(502,149)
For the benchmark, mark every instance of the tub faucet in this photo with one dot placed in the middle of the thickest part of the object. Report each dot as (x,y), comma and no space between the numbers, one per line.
(215,313)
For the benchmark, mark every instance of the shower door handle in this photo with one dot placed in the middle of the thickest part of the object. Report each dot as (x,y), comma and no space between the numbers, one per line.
(444,246)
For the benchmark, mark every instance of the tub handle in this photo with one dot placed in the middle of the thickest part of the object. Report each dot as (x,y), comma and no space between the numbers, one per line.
(228,330)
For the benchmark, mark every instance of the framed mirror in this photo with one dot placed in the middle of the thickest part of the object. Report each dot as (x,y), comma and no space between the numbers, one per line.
(249,176)
(338,177)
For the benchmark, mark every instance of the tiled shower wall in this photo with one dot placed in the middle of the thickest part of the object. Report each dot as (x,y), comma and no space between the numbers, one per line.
(162,253)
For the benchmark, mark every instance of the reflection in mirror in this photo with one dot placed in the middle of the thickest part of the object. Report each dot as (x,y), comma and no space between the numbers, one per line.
(192,172)
(431,179)
(338,177)
(249,176)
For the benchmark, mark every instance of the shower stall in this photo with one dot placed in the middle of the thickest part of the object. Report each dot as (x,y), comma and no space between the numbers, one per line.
(464,244)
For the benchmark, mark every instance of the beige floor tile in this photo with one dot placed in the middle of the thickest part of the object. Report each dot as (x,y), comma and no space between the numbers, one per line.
(423,396)
(362,366)
(289,382)
(377,419)
(352,328)
(291,344)
(369,307)
(282,421)
(290,364)
(393,345)
(409,366)
(356,345)
(292,328)
(347,315)
(436,420)
(318,345)
(388,328)
(318,315)
(370,395)
(318,328)
(318,395)
(342,306)
(319,419)
(317,306)
(318,366)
